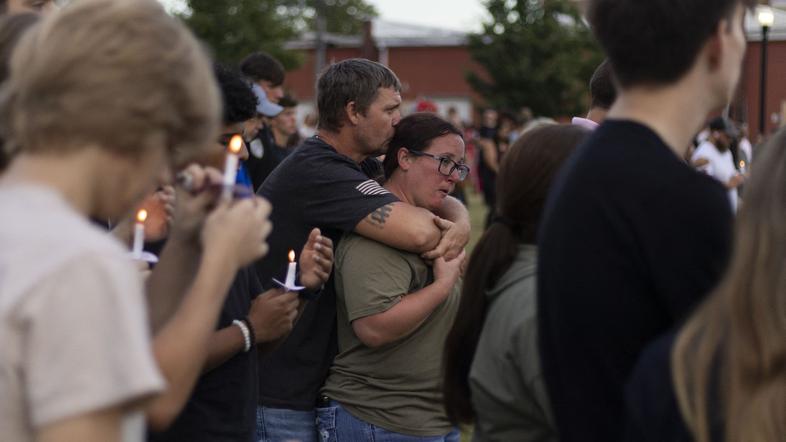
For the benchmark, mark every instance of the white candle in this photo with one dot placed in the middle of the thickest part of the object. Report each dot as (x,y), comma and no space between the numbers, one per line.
(139,234)
(291,270)
(742,167)
(230,166)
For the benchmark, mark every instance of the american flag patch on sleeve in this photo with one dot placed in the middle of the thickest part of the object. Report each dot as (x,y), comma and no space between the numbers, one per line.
(371,187)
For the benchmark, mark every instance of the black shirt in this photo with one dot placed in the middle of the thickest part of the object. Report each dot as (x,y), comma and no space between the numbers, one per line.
(264,156)
(652,409)
(315,186)
(222,407)
(632,239)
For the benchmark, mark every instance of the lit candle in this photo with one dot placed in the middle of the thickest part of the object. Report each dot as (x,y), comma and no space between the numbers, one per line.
(291,270)
(230,166)
(139,234)
(742,166)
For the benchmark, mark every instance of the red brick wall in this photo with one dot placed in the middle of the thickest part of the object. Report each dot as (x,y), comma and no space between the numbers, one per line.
(433,71)
(301,81)
(424,71)
(776,86)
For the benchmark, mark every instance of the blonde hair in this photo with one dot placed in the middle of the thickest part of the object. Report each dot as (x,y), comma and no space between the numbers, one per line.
(118,74)
(729,361)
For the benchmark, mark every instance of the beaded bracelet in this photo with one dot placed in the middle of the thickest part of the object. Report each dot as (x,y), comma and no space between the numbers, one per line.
(246,334)
(251,330)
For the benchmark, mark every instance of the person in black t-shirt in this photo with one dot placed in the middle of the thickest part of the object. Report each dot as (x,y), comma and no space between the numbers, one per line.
(222,406)
(632,237)
(325,183)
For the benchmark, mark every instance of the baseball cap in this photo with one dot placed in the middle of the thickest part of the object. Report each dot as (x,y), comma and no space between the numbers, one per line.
(265,106)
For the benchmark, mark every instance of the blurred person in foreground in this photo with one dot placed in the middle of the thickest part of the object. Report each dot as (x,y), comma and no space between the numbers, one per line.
(632,237)
(76,355)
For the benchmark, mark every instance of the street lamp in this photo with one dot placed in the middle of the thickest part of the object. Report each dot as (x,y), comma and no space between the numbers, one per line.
(766,19)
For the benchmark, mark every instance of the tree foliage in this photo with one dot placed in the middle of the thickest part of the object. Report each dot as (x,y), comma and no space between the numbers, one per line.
(536,53)
(234,28)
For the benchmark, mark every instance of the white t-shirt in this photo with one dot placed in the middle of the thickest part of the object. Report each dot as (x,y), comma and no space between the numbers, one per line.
(720,166)
(74,334)
(747,150)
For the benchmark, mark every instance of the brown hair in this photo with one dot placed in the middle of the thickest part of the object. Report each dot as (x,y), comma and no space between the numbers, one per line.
(355,79)
(523,182)
(415,133)
(736,343)
(119,74)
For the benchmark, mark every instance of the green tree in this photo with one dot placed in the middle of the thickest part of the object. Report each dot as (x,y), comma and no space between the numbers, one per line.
(536,53)
(342,16)
(234,28)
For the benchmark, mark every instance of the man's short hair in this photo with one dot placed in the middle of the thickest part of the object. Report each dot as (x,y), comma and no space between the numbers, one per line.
(260,66)
(656,42)
(602,89)
(355,79)
(109,73)
(287,101)
(239,102)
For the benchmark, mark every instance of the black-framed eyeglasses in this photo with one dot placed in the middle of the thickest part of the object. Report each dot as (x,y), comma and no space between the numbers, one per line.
(446,165)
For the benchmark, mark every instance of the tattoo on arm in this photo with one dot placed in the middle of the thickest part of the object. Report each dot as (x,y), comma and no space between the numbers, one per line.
(378,217)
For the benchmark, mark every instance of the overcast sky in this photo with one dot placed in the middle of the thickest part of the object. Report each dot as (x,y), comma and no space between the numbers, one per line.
(465,15)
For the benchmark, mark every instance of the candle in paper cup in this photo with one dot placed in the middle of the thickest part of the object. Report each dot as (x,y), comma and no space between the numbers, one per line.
(230,166)
(291,270)
(139,234)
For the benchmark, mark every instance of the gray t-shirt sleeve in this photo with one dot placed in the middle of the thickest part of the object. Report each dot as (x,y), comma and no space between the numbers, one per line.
(87,340)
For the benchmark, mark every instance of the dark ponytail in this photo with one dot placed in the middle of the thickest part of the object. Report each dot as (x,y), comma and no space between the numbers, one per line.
(524,178)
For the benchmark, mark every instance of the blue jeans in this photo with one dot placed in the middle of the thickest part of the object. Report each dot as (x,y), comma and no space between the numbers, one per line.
(335,424)
(282,425)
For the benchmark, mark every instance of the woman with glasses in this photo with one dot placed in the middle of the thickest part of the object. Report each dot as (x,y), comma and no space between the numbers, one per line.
(394,308)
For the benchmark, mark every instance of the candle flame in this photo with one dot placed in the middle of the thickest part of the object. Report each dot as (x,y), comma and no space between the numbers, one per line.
(291,256)
(141,216)
(235,144)
(742,164)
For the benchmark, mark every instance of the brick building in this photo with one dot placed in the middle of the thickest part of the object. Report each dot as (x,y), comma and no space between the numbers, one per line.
(746,105)
(431,63)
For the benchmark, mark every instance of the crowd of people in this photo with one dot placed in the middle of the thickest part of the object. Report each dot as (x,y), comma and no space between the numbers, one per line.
(180,262)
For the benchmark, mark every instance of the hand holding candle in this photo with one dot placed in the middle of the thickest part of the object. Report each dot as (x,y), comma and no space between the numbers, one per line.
(230,166)
(289,281)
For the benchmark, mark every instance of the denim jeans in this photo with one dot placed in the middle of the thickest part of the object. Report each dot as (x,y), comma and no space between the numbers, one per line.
(282,425)
(335,424)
